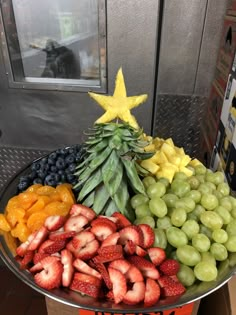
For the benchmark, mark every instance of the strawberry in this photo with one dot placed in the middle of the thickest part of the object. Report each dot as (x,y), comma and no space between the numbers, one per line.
(81,266)
(136,294)
(140,251)
(53,247)
(147,268)
(111,239)
(133,274)
(68,269)
(22,248)
(132,233)
(120,264)
(82,238)
(130,247)
(38,238)
(104,273)
(119,286)
(113,219)
(169,267)
(148,235)
(122,220)
(75,223)
(61,235)
(102,230)
(86,284)
(54,222)
(170,287)
(38,257)
(157,255)
(109,253)
(152,292)
(78,209)
(50,277)
(45,244)
(104,220)
(28,257)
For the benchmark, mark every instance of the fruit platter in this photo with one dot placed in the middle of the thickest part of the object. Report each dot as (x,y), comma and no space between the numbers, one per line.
(123,223)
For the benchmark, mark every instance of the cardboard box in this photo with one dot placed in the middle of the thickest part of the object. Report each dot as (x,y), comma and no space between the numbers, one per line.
(206,148)
(215,103)
(231,9)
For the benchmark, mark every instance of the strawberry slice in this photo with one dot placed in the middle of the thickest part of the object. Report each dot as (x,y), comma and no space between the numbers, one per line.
(44,244)
(136,294)
(140,251)
(68,269)
(170,287)
(104,220)
(54,222)
(39,256)
(132,233)
(133,274)
(157,255)
(104,273)
(113,219)
(109,253)
(50,277)
(22,248)
(78,209)
(111,239)
(82,238)
(130,247)
(147,268)
(38,239)
(152,292)
(86,284)
(54,247)
(102,230)
(169,267)
(120,264)
(122,220)
(28,257)
(148,235)
(61,235)
(75,223)
(119,286)
(81,266)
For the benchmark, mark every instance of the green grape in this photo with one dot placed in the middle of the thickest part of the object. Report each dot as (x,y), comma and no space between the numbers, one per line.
(176,237)
(211,219)
(205,230)
(164,181)
(193,182)
(218,177)
(163,223)
(233,213)
(204,188)
(142,211)
(231,244)
(223,268)
(181,176)
(224,214)
(198,210)
(209,201)
(226,203)
(233,201)
(190,228)
(192,216)
(201,178)
(205,271)
(170,211)
(160,238)
(180,187)
(138,200)
(188,255)
(224,189)
(209,177)
(185,202)
(200,170)
(178,217)
(170,199)
(158,207)
(186,275)
(218,194)
(232,259)
(156,190)
(231,227)
(219,251)
(220,236)
(194,195)
(146,220)
(148,180)
(201,242)
(207,256)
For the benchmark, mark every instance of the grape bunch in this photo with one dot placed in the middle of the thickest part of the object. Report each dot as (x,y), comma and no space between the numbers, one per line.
(194,219)
(56,168)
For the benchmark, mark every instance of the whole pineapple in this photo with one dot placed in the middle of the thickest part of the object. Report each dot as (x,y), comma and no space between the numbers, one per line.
(109,173)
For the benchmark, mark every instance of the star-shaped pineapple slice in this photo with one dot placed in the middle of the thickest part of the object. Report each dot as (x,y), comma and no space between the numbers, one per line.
(118,105)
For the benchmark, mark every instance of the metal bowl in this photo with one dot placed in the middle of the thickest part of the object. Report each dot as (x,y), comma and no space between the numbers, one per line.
(71,298)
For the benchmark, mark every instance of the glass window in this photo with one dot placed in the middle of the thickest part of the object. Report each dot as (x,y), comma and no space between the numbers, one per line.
(56,44)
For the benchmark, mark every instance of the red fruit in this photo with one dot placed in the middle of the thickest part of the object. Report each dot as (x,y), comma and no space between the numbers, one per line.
(68,269)
(134,274)
(75,223)
(140,251)
(109,253)
(169,267)
(104,220)
(148,235)
(78,209)
(22,248)
(111,239)
(132,233)
(170,287)
(38,238)
(157,255)
(54,222)
(81,266)
(61,235)
(51,247)
(113,219)
(28,257)
(104,273)
(122,220)
(86,284)
(152,292)
(39,256)
(147,268)
(120,264)
(130,247)
(102,230)
(136,294)
(119,286)
(50,277)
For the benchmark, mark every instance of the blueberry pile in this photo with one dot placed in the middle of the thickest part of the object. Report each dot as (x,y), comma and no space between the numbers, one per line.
(56,168)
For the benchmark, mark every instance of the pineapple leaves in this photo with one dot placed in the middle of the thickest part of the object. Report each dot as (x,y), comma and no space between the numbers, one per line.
(88,202)
(100,199)
(109,167)
(90,184)
(121,199)
(110,208)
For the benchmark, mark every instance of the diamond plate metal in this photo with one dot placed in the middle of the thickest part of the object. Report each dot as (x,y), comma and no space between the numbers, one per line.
(179,117)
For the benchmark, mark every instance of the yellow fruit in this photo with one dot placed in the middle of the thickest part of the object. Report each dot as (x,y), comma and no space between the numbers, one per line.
(150,166)
(15,215)
(185,160)
(46,190)
(21,231)
(37,206)
(168,150)
(170,142)
(4,225)
(186,171)
(26,199)
(175,159)
(150,148)
(159,157)
(34,188)
(66,194)
(195,162)
(36,220)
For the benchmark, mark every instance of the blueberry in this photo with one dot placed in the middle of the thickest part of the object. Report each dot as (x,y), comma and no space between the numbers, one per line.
(32,175)
(25,179)
(70,159)
(63,178)
(60,163)
(35,166)
(61,172)
(22,185)
(44,160)
(78,156)
(72,167)
(63,151)
(67,171)
(42,174)
(37,181)
(52,179)
(53,169)
(51,161)
(52,155)
(71,150)
(71,178)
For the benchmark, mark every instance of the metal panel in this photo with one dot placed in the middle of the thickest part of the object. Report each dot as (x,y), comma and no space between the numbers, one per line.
(182,29)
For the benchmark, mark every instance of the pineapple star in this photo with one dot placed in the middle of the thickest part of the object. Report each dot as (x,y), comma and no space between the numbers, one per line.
(118,105)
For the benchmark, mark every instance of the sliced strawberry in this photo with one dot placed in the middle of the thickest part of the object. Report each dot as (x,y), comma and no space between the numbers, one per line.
(140,251)
(111,239)
(54,222)
(28,258)
(44,244)
(110,253)
(136,294)
(39,256)
(122,220)
(152,292)
(110,295)
(81,266)
(50,277)
(76,223)
(130,247)
(22,248)
(170,287)
(157,255)
(119,286)
(104,220)
(86,284)
(132,233)
(134,274)
(38,239)
(148,235)
(147,268)
(113,219)
(54,247)
(61,235)
(82,238)
(120,264)
(104,273)
(169,267)
(102,230)
(78,209)
(68,269)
